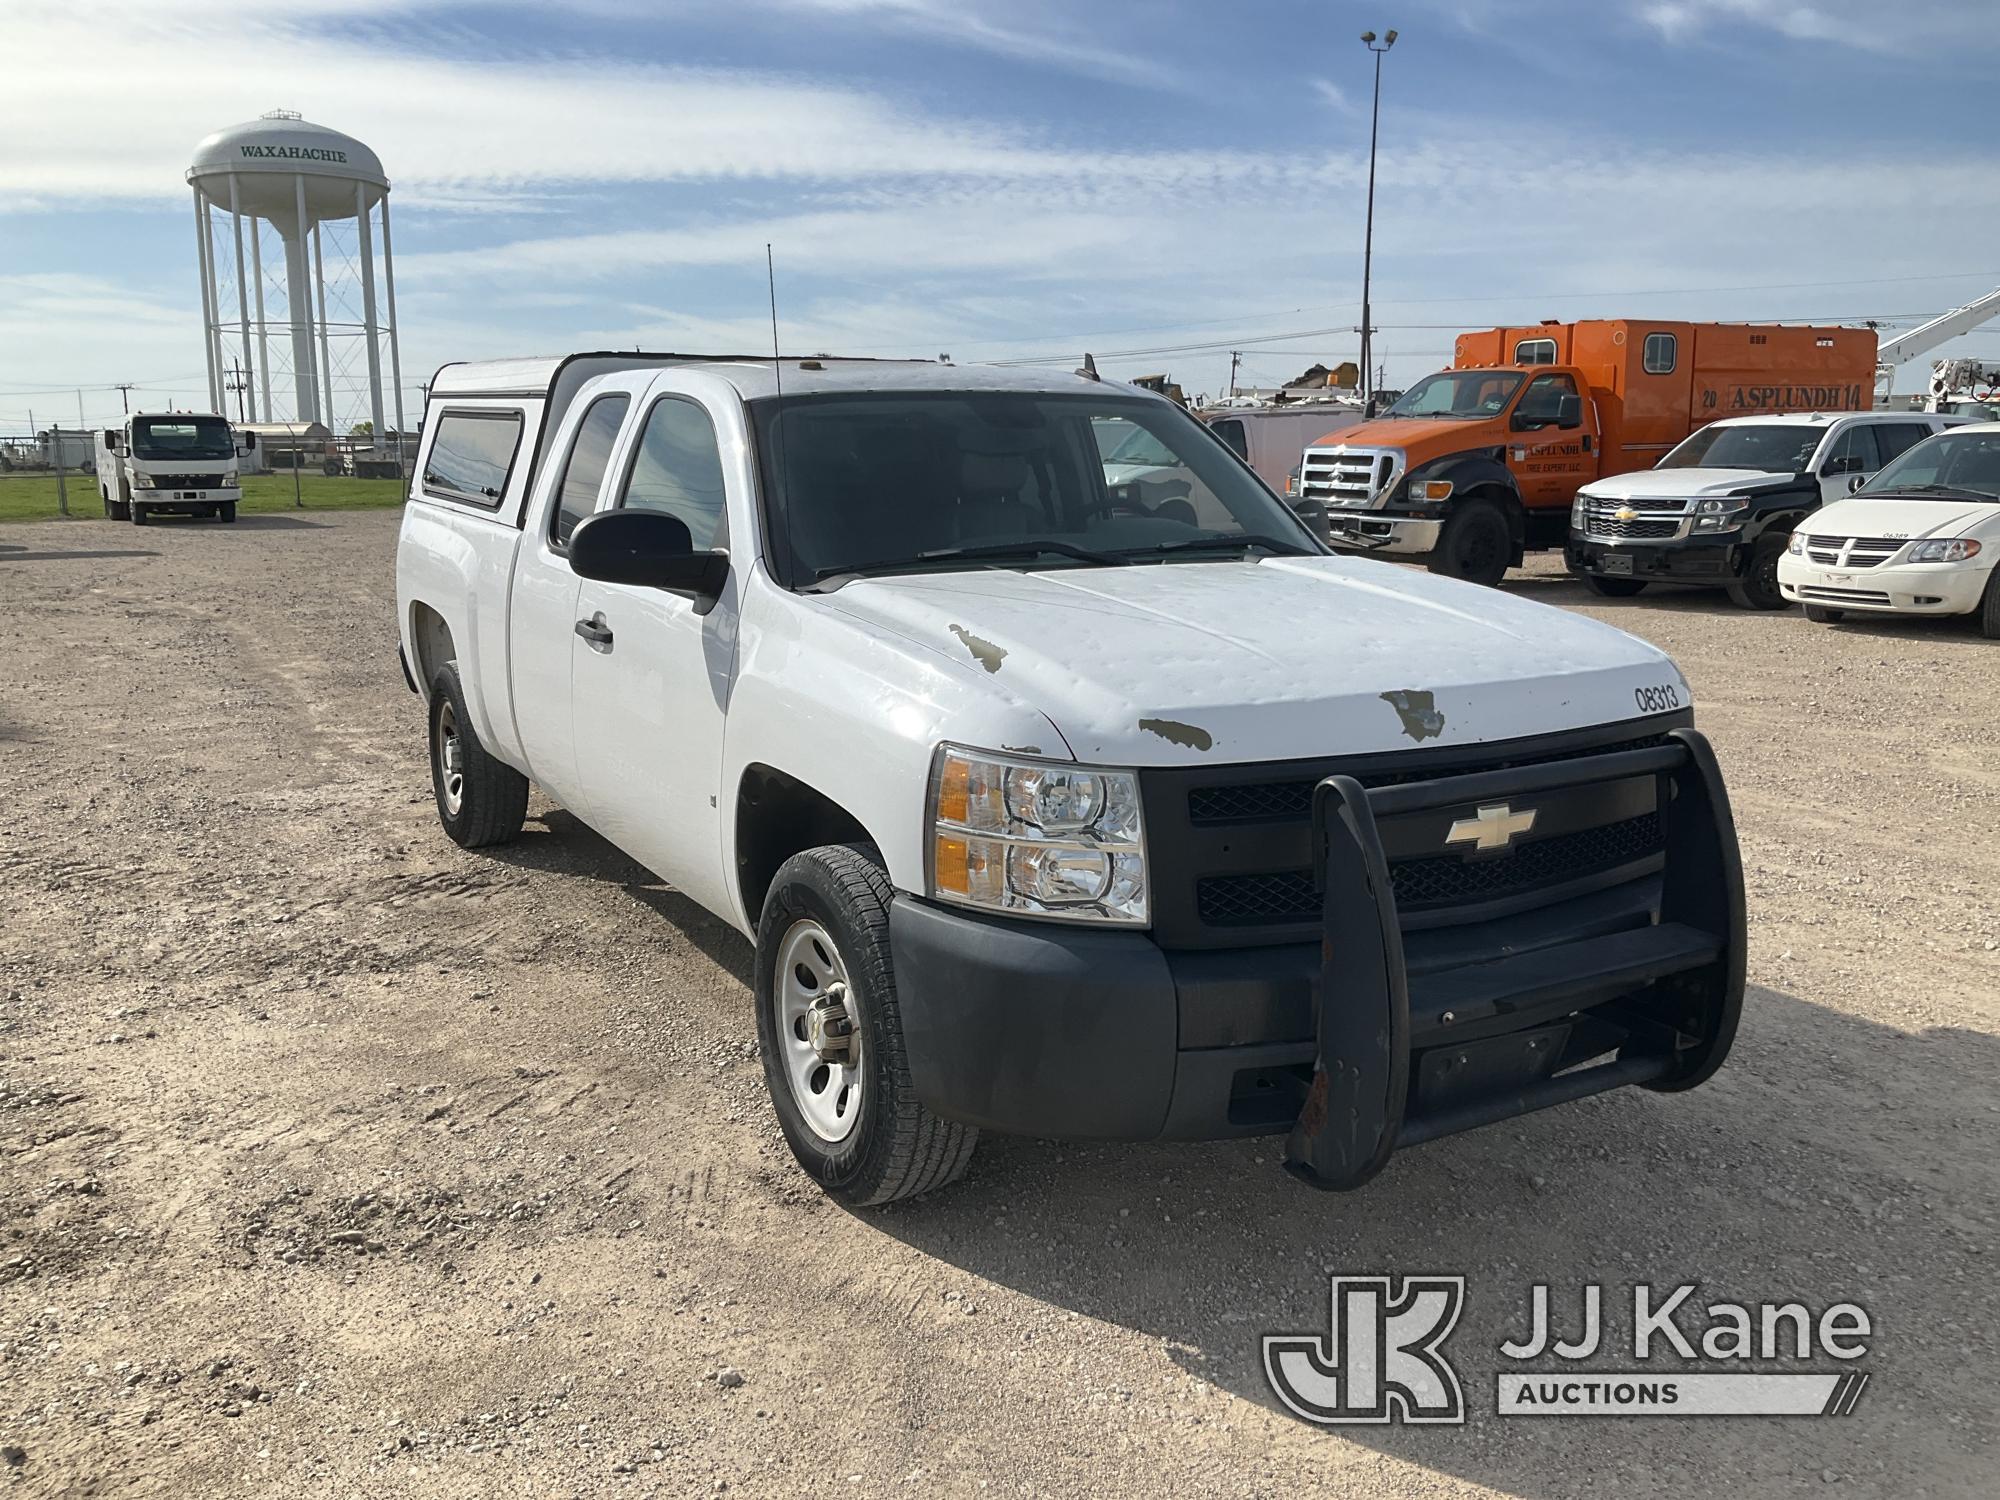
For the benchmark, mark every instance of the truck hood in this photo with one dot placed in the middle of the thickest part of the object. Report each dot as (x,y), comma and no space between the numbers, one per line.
(1662,484)
(1413,432)
(1910,518)
(1198,663)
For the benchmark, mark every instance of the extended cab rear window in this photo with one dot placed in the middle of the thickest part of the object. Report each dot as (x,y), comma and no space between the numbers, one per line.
(472,455)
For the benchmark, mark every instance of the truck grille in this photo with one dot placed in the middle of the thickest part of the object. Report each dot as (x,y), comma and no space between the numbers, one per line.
(1853,551)
(1443,880)
(1658,520)
(1350,477)
(186,481)
(1231,857)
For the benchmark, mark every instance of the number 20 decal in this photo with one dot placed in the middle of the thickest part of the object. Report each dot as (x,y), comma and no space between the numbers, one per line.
(1657,700)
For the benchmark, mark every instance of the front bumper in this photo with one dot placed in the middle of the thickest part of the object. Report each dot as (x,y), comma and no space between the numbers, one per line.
(1374,531)
(1904,589)
(1046,1030)
(1695,560)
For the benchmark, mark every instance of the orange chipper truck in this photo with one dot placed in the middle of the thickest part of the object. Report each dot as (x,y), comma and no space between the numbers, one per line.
(1478,464)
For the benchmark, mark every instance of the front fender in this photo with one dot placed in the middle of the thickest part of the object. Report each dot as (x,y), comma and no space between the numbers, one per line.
(856,713)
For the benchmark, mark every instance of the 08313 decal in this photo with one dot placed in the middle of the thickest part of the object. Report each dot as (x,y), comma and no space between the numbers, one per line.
(1660,699)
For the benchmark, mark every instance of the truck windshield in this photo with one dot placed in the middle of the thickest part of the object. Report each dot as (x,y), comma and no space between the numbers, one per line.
(199,438)
(1775,448)
(891,482)
(1462,394)
(1962,465)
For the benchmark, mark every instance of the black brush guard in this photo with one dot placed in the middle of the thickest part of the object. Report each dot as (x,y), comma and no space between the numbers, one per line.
(1404,1060)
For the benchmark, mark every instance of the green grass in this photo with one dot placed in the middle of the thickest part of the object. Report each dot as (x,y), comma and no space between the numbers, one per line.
(33,497)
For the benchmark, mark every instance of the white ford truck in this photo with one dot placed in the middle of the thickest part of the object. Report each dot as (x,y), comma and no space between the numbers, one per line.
(1056,803)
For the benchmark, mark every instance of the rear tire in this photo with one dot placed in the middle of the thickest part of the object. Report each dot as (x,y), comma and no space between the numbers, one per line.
(1989,608)
(1758,587)
(828,912)
(480,800)
(1819,614)
(1613,588)
(1476,544)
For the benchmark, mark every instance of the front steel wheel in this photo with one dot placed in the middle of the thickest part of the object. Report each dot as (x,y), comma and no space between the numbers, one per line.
(821,1045)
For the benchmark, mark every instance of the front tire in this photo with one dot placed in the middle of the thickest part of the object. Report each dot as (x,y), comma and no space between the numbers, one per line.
(1819,614)
(227,510)
(829,1024)
(480,800)
(138,513)
(1989,608)
(1476,544)
(1758,587)
(1613,588)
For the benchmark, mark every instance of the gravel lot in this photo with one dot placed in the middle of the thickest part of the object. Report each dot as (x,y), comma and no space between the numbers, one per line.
(339,1161)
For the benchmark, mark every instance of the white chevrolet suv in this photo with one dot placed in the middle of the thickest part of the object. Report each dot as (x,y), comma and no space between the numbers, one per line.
(1920,538)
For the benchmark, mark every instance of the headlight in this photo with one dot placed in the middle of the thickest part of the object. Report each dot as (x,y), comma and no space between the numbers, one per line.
(1797,545)
(1576,512)
(142,481)
(1724,514)
(1037,839)
(1957,549)
(229,481)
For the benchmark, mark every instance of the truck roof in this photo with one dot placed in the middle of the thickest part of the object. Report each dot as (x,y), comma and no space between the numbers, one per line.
(753,375)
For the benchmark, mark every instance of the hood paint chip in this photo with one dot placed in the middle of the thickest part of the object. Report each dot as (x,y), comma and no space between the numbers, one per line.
(985,653)
(1418,710)
(1177,733)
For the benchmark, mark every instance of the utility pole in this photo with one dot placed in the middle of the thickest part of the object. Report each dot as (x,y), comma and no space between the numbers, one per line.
(1368,240)
(80,422)
(237,382)
(1235,358)
(125,398)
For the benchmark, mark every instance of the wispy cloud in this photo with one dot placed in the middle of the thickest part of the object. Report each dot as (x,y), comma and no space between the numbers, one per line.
(1864,25)
(1333,94)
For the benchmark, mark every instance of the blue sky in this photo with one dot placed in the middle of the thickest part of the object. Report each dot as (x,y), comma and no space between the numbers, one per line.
(1010,180)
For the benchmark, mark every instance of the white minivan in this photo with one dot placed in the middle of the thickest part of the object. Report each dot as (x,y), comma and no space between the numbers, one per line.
(1920,538)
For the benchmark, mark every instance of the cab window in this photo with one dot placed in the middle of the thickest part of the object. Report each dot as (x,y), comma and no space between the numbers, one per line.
(1541,403)
(677,468)
(583,469)
(1852,452)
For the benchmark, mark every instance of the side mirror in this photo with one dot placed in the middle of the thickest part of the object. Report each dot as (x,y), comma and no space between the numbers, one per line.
(1856,482)
(1569,411)
(111,439)
(1847,463)
(647,549)
(249,442)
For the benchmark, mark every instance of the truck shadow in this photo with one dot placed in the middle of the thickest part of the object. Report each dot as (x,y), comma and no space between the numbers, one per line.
(1832,1159)
(567,847)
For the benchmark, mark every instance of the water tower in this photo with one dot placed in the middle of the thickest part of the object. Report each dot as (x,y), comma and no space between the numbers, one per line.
(303,185)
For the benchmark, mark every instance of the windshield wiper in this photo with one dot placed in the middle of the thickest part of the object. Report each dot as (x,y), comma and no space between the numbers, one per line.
(1938,489)
(1214,543)
(994,552)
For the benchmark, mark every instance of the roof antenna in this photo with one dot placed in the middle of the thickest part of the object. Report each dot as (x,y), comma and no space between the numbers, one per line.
(1089,370)
(779,428)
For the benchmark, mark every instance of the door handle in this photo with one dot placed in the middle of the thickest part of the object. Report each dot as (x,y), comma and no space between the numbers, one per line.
(595,632)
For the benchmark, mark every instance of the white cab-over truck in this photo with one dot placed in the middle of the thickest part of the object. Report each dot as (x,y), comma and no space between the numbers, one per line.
(1056,804)
(169,463)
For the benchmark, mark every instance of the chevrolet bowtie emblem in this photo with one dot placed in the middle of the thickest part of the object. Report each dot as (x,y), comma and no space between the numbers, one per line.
(1626,513)
(1493,828)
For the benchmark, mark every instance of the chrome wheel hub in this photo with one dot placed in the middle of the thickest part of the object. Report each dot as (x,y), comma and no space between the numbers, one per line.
(818,1042)
(451,759)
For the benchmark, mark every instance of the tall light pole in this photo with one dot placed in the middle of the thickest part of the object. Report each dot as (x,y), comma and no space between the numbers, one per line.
(1368,241)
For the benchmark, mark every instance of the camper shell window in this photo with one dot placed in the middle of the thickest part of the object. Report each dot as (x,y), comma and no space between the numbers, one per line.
(472,456)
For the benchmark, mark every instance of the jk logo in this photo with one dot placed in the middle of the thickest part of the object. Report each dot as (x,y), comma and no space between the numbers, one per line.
(1380,1360)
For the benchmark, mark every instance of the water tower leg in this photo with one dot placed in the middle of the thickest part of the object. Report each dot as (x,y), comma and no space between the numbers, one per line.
(395,327)
(325,347)
(203,252)
(263,326)
(242,292)
(368,312)
(298,306)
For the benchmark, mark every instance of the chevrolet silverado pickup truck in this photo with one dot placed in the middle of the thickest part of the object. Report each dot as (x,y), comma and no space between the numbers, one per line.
(1053,800)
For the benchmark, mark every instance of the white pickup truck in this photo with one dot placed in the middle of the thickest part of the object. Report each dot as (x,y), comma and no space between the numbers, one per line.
(1053,804)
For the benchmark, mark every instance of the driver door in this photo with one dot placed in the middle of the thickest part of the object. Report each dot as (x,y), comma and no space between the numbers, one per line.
(1552,447)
